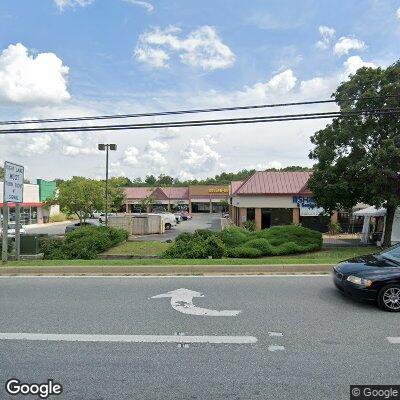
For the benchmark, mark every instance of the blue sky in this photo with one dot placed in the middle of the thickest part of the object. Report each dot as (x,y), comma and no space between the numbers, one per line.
(83,57)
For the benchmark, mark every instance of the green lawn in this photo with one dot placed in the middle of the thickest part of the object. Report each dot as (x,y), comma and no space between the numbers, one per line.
(139,248)
(331,256)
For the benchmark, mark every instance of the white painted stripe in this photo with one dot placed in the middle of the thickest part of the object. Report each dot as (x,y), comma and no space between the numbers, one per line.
(162,276)
(275,333)
(394,340)
(276,348)
(128,338)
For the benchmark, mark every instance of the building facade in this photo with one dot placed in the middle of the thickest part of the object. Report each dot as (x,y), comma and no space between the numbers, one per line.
(276,198)
(195,198)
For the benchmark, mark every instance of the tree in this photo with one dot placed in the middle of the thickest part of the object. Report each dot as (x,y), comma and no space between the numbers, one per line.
(80,196)
(116,194)
(1,173)
(146,202)
(358,158)
(165,180)
(151,180)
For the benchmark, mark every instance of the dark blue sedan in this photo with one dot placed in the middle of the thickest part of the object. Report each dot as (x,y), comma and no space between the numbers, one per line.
(374,278)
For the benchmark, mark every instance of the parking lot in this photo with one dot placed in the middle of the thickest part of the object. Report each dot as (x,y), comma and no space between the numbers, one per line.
(199,221)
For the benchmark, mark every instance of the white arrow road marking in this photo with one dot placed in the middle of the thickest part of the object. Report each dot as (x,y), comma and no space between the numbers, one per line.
(182,301)
(394,340)
(276,348)
(128,338)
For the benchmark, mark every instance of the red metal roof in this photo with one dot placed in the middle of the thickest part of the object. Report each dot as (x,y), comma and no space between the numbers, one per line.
(138,192)
(275,183)
(234,186)
(176,193)
(160,193)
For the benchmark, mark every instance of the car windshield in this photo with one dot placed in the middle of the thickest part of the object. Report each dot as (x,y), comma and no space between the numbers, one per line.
(392,254)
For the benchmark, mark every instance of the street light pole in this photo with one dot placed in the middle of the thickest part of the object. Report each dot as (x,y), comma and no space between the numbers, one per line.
(107,147)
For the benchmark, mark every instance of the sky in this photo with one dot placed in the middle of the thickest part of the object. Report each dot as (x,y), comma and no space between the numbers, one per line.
(66,58)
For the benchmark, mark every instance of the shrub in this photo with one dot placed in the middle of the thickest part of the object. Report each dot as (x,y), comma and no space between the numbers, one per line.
(10,245)
(241,243)
(334,228)
(214,247)
(244,252)
(83,243)
(234,236)
(250,225)
(261,244)
(58,217)
(52,248)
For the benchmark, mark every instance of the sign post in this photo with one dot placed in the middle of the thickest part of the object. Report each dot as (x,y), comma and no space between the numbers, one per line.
(13,192)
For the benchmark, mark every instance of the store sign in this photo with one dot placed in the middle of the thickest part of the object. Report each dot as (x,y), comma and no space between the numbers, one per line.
(13,183)
(311,212)
(308,206)
(219,190)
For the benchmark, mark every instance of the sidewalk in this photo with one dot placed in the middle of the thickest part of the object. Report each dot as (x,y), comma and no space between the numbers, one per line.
(169,270)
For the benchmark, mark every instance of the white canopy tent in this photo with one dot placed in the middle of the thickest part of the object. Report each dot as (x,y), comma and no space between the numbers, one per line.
(372,211)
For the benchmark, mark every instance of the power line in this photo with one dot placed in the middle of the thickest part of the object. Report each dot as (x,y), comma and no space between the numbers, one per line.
(210,122)
(192,111)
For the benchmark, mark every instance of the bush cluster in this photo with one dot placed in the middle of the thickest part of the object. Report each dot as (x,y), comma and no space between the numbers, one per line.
(241,243)
(83,243)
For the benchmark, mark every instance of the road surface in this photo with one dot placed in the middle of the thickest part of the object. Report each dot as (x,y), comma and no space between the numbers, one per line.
(294,338)
(49,229)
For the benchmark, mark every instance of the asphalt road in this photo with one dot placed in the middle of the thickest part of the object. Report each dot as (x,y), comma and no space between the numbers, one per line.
(328,342)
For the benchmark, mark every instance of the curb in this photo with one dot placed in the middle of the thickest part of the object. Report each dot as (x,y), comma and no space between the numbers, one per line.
(172,270)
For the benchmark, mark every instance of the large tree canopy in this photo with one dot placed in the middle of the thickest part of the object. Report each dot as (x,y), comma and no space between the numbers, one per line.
(358,158)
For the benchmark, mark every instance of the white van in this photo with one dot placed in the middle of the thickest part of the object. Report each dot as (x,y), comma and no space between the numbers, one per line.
(169,219)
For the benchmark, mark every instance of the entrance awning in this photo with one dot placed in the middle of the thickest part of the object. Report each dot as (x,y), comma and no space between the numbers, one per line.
(370,212)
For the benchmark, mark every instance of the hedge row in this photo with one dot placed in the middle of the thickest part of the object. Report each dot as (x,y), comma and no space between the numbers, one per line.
(83,243)
(241,243)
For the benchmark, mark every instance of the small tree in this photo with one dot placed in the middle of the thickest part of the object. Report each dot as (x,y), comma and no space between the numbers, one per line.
(80,196)
(146,202)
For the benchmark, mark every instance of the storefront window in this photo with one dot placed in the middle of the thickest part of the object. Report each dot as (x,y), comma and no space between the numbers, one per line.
(251,214)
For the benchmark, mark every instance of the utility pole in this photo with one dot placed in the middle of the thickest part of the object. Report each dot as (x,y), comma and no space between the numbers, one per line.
(106,147)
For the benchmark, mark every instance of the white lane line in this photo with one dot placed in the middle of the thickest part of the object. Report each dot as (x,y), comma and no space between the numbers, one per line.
(129,338)
(393,340)
(276,348)
(162,276)
(275,334)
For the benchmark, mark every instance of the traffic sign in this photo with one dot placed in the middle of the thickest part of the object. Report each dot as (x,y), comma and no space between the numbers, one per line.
(13,183)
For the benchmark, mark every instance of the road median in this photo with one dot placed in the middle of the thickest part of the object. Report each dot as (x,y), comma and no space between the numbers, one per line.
(172,270)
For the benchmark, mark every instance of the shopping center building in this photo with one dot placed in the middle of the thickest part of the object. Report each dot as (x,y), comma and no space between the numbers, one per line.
(196,198)
(33,210)
(276,198)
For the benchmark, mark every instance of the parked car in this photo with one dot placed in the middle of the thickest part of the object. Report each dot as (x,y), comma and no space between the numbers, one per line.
(225,215)
(185,215)
(169,219)
(178,217)
(11,229)
(77,225)
(374,278)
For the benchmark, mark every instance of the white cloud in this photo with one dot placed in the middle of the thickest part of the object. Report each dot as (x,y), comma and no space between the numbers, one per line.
(130,156)
(279,84)
(74,151)
(62,4)
(156,58)
(199,156)
(268,165)
(38,145)
(398,13)
(326,36)
(345,44)
(353,63)
(148,6)
(169,133)
(154,152)
(201,48)
(28,79)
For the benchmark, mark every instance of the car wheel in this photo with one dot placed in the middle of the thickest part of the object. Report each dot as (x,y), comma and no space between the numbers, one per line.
(389,298)
(168,226)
